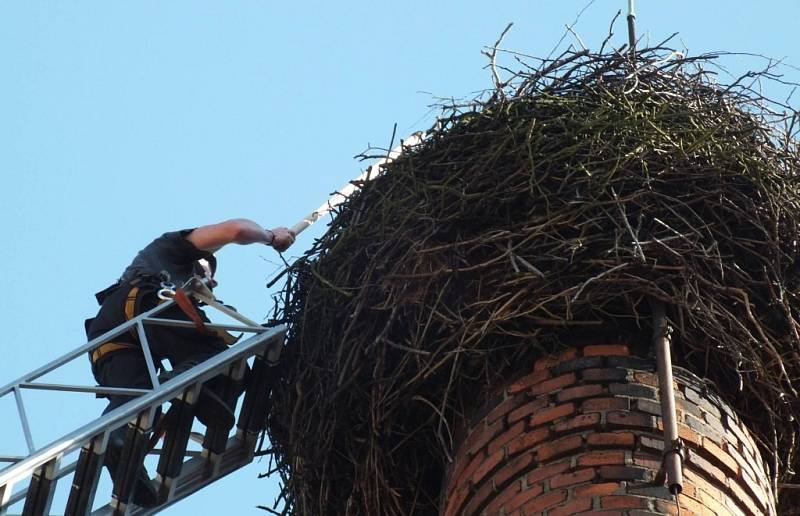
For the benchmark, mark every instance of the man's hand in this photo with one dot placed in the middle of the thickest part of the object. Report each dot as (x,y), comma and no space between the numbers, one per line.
(282,239)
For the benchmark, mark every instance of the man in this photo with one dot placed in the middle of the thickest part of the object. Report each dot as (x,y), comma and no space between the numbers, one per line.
(172,258)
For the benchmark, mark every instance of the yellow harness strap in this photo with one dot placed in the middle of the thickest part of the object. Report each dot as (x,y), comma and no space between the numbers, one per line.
(109,347)
(130,309)
(130,312)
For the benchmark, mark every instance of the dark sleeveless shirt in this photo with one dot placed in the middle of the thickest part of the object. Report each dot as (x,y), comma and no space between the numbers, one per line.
(171,252)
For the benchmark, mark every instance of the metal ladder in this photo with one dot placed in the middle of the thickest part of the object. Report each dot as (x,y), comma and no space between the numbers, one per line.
(176,477)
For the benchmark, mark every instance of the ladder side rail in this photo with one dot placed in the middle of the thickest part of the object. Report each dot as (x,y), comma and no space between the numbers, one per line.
(120,416)
(84,348)
(63,387)
(176,323)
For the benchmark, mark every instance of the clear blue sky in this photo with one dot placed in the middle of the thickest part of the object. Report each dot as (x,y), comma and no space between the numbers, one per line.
(122,120)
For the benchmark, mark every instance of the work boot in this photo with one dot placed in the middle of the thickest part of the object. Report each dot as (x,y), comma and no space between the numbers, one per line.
(210,409)
(144,493)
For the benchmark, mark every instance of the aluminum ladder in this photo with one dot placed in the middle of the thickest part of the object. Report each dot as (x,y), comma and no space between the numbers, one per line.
(176,476)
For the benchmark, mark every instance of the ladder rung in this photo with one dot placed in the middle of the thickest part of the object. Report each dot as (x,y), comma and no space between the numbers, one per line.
(131,460)
(180,418)
(216,439)
(87,474)
(41,489)
(256,398)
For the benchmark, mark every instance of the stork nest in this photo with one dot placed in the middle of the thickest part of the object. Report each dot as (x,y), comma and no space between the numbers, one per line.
(570,198)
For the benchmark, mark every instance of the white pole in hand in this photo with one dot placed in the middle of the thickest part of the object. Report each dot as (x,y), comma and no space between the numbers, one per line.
(370,173)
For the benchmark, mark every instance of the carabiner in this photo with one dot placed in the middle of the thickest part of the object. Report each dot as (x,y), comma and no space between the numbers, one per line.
(167,290)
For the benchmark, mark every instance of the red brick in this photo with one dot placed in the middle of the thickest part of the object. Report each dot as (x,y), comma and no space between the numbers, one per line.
(481,435)
(497,499)
(631,420)
(651,463)
(580,391)
(713,501)
(718,455)
(512,469)
(548,471)
(552,413)
(601,458)
(755,506)
(487,465)
(606,350)
(668,507)
(689,435)
(692,505)
(543,502)
(463,474)
(709,469)
(499,442)
(454,503)
(746,466)
(527,440)
(576,477)
(503,408)
(527,409)
(604,375)
(606,488)
(514,503)
(545,363)
(611,439)
(553,384)
(603,404)
(755,489)
(526,382)
(623,502)
(570,508)
(558,447)
(577,422)
(645,378)
(742,435)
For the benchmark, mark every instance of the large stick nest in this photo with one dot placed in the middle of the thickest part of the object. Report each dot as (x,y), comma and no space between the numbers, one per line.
(580,192)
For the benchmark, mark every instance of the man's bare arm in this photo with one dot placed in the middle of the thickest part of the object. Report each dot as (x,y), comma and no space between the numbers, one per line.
(213,237)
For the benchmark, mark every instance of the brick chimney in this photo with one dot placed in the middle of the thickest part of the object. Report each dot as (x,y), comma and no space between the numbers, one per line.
(581,432)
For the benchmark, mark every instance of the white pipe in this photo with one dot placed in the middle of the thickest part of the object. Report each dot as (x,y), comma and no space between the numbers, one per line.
(369,174)
(673,454)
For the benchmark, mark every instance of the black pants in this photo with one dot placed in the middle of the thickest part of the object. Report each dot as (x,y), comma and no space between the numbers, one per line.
(127,368)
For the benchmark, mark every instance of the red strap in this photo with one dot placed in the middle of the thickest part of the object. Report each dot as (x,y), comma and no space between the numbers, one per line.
(164,422)
(185,304)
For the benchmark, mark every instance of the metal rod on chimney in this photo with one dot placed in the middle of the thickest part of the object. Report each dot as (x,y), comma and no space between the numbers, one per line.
(673,449)
(632,28)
